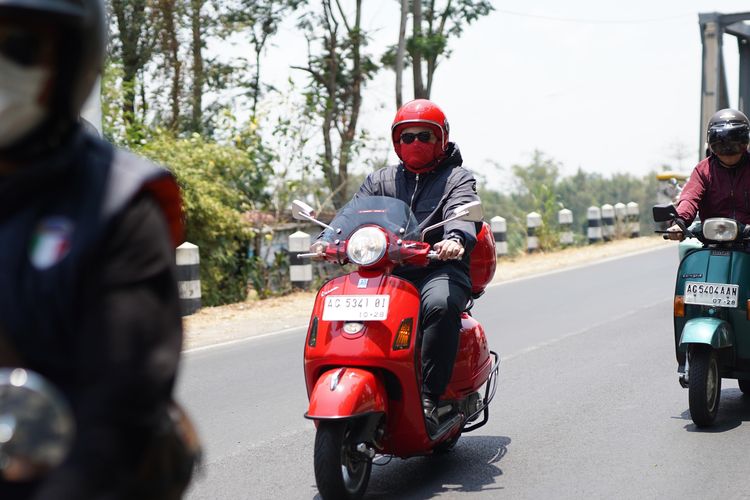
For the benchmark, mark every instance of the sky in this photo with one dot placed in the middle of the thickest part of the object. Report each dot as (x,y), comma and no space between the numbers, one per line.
(608,87)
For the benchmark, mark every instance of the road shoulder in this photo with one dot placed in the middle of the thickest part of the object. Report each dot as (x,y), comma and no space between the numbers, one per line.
(220,325)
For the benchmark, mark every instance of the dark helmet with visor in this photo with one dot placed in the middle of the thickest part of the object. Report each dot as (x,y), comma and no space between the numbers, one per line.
(78,57)
(728,132)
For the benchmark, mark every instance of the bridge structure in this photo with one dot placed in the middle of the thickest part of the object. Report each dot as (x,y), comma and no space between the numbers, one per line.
(714,93)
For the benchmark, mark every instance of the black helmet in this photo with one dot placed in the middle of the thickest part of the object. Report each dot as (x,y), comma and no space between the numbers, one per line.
(728,132)
(79,60)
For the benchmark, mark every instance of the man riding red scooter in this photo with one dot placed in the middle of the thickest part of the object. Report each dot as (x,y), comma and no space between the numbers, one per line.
(381,363)
(431,180)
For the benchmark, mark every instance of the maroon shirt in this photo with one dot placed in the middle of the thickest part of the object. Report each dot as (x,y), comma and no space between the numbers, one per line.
(717,191)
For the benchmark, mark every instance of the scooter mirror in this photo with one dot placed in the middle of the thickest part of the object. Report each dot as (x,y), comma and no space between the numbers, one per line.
(471,212)
(664,213)
(36,425)
(302,211)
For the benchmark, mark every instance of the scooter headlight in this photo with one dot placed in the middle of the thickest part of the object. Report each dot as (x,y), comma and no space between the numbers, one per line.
(366,246)
(720,229)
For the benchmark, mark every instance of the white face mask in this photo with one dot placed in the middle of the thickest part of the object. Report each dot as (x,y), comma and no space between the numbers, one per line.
(20,89)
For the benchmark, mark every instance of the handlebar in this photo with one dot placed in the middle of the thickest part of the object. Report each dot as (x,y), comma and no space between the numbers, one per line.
(414,253)
(433,255)
(687,233)
(310,255)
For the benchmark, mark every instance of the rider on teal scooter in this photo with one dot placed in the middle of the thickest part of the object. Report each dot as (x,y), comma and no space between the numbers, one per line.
(711,318)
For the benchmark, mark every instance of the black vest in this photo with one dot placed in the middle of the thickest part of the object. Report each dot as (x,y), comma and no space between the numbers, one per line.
(49,238)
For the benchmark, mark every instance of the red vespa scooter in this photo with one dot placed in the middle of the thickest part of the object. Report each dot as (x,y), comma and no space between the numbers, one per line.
(362,352)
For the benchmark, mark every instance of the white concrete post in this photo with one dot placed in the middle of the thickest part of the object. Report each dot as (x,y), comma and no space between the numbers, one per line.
(533,223)
(621,219)
(608,222)
(500,232)
(594,216)
(300,270)
(565,218)
(187,258)
(634,219)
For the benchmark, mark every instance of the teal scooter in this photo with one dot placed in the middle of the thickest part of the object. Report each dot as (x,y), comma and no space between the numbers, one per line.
(711,311)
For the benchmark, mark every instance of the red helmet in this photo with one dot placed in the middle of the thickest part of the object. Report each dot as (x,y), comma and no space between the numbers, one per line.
(420,112)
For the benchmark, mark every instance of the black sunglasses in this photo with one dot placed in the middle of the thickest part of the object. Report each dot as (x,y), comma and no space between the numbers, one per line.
(408,137)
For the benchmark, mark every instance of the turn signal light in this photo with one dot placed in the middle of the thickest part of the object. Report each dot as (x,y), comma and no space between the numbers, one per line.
(747,312)
(679,306)
(403,336)
(312,336)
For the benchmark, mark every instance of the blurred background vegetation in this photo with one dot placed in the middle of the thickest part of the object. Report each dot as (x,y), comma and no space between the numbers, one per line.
(170,94)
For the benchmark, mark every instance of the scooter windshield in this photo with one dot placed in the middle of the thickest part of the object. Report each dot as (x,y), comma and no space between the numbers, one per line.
(391,214)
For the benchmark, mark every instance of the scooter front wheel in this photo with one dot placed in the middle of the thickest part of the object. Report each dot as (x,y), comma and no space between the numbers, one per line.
(704,389)
(340,470)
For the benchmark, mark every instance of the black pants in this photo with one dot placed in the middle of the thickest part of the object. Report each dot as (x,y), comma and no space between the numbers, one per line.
(444,297)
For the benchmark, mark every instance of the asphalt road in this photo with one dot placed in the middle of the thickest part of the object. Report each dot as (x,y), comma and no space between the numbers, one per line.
(588,404)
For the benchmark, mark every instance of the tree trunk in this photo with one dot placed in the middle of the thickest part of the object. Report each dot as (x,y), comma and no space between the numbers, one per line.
(338,75)
(432,60)
(400,52)
(198,70)
(171,46)
(331,85)
(259,43)
(135,48)
(416,54)
(347,139)
(431,66)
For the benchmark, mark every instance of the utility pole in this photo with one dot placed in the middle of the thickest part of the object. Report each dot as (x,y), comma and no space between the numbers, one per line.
(714,95)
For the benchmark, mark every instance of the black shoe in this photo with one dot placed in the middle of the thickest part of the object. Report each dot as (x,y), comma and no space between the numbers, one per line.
(430,415)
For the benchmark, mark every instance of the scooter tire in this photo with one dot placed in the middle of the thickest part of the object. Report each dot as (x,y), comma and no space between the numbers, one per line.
(744,386)
(340,471)
(704,390)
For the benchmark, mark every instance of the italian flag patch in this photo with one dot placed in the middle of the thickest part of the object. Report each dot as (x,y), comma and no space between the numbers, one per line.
(51,242)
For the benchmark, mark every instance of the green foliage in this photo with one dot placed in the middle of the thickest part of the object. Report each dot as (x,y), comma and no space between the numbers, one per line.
(539,188)
(208,175)
(441,21)
(338,71)
(537,192)
(119,126)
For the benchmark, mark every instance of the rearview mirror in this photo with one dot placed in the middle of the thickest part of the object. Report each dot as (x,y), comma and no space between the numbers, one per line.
(664,213)
(302,211)
(36,425)
(471,212)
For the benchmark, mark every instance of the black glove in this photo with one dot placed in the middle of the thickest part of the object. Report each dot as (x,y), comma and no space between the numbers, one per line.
(680,222)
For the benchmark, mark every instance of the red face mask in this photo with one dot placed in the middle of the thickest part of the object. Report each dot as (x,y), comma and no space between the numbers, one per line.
(419,156)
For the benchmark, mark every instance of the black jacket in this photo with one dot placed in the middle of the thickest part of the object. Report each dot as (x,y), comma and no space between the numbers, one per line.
(99,316)
(432,196)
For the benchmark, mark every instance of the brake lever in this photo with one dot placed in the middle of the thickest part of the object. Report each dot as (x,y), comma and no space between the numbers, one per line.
(687,232)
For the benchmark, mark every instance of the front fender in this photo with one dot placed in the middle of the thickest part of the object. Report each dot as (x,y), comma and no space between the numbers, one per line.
(711,331)
(356,392)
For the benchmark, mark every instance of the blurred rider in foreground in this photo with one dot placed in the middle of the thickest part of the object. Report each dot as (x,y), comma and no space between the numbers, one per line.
(88,297)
